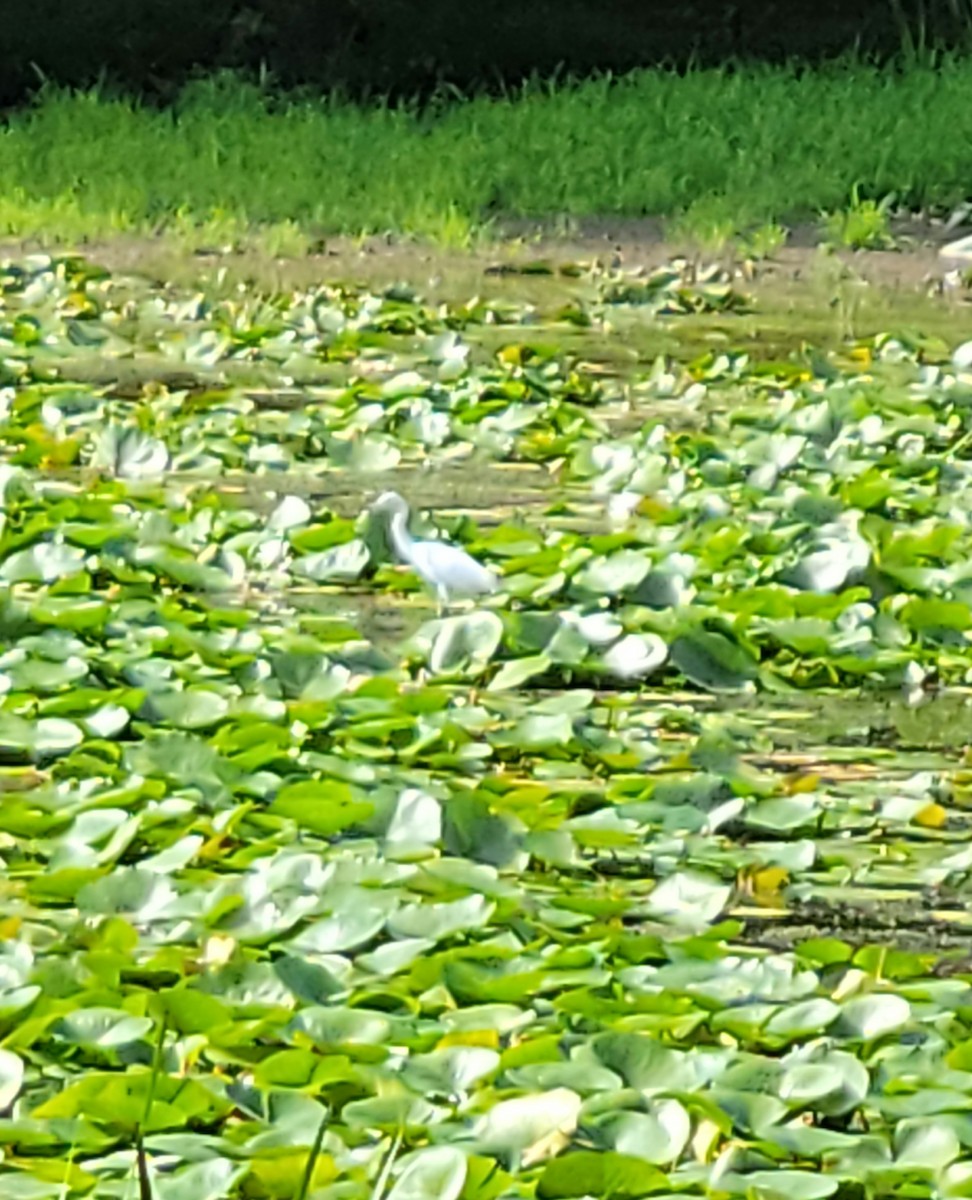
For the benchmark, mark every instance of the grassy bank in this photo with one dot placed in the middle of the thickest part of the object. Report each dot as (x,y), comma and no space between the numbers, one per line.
(709,150)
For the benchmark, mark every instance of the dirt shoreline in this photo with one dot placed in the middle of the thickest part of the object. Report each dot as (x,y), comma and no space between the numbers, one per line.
(628,242)
(807,293)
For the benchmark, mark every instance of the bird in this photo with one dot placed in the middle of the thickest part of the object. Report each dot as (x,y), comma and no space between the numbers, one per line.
(451,571)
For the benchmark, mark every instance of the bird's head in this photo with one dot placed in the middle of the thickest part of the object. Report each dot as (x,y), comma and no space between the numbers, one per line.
(390,503)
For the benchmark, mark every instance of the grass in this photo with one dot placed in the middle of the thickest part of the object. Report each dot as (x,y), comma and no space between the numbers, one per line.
(864,224)
(716,152)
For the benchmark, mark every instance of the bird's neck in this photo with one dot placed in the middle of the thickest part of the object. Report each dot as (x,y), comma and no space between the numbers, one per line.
(401,539)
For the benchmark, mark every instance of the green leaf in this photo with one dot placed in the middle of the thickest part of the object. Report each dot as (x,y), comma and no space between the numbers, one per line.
(118,1101)
(658,1136)
(291,512)
(542,731)
(129,453)
(830,568)
(874,1015)
(512,1126)
(127,890)
(644,1063)
(47,738)
(451,1070)
(340,564)
(472,830)
(465,642)
(105,1028)
(44,562)
(107,721)
(925,1145)
(193,708)
(518,671)
(783,1184)
(213,1179)
(929,614)
(599,1173)
(441,921)
(11,1075)
(712,661)
(435,1173)
(415,819)
(612,574)
(311,983)
(806,1018)
(192,1011)
(356,920)
(690,897)
(340,1026)
(326,807)
(833,1083)
(635,656)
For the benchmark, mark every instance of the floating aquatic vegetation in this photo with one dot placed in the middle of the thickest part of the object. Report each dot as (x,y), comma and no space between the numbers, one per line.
(306,894)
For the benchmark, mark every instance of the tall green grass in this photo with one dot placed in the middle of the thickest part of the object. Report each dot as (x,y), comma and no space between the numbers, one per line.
(741,145)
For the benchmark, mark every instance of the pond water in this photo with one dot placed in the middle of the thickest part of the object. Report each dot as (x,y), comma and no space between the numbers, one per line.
(647,875)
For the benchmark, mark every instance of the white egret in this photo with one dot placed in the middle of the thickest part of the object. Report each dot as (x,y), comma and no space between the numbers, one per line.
(451,571)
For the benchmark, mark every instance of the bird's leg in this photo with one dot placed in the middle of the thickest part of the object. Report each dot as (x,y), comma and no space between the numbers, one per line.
(443,597)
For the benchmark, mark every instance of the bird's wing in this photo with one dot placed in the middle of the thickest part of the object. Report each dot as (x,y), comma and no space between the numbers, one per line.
(452,568)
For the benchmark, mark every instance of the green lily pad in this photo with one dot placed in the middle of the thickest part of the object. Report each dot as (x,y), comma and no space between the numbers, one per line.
(130,453)
(436,1173)
(712,661)
(106,1028)
(613,574)
(44,562)
(11,1077)
(604,1173)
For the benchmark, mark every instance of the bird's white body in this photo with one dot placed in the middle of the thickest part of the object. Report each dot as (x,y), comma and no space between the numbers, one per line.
(451,571)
